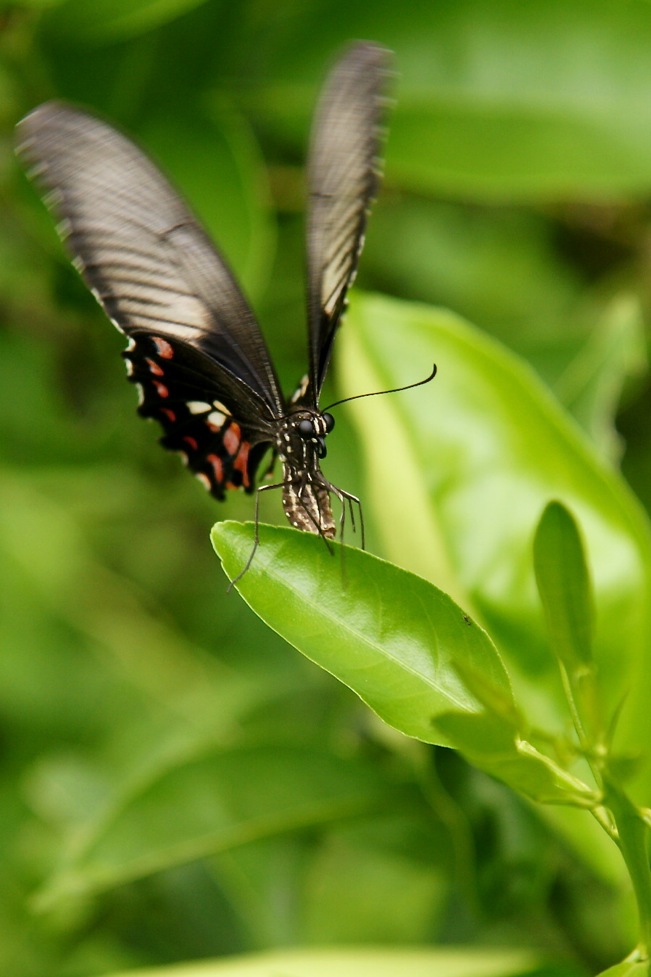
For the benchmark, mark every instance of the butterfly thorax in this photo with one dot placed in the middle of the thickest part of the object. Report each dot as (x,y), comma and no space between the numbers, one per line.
(300,444)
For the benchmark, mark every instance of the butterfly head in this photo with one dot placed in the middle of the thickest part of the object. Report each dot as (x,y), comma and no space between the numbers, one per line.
(313,430)
(302,436)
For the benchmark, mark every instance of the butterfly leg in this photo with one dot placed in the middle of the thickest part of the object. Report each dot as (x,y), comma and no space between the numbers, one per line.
(256,535)
(347,498)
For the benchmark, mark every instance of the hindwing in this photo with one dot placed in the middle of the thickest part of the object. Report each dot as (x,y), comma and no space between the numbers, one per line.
(222,438)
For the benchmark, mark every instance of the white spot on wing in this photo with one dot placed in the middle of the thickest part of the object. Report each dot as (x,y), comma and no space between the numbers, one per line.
(198,407)
(38,169)
(53,198)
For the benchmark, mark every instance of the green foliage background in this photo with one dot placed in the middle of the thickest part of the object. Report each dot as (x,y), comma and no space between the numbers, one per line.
(274,809)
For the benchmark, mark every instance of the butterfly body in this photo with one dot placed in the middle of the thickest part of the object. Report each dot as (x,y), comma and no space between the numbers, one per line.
(306,492)
(195,351)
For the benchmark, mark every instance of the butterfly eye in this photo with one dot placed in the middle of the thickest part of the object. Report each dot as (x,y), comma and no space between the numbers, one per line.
(329,421)
(306,429)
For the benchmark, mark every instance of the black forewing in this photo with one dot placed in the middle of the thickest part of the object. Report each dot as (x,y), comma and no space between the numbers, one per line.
(343,176)
(142,252)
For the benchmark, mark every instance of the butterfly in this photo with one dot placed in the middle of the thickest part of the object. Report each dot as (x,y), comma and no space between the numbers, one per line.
(195,350)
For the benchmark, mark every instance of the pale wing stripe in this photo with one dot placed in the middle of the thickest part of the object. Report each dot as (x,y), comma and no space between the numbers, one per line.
(115,205)
(343,178)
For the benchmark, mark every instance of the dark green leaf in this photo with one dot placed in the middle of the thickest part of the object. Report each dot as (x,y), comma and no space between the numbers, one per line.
(107,20)
(201,805)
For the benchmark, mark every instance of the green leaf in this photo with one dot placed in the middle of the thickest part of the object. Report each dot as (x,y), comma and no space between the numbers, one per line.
(496,265)
(402,645)
(375,857)
(107,20)
(591,386)
(201,805)
(532,109)
(627,968)
(500,100)
(456,484)
(564,586)
(548,106)
(35,4)
(390,636)
(359,962)
(491,746)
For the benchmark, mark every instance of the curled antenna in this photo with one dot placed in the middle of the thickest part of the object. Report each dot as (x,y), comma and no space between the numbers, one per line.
(377,393)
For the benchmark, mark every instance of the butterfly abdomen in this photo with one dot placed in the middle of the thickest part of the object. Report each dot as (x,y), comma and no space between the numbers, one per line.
(307,506)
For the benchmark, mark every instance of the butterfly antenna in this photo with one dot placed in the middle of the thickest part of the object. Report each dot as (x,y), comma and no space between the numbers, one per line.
(378,393)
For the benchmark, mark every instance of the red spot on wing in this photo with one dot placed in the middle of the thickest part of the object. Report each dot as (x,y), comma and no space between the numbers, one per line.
(194,444)
(163,348)
(161,389)
(169,414)
(232,438)
(154,367)
(215,463)
(241,462)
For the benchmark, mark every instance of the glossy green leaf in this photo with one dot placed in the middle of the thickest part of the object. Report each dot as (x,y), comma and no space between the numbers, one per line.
(359,962)
(403,646)
(564,586)
(387,634)
(458,475)
(205,804)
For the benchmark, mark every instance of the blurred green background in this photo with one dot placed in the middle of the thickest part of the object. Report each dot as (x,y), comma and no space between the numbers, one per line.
(517,186)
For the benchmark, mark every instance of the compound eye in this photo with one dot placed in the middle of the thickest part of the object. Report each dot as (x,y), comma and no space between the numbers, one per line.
(329,421)
(306,429)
